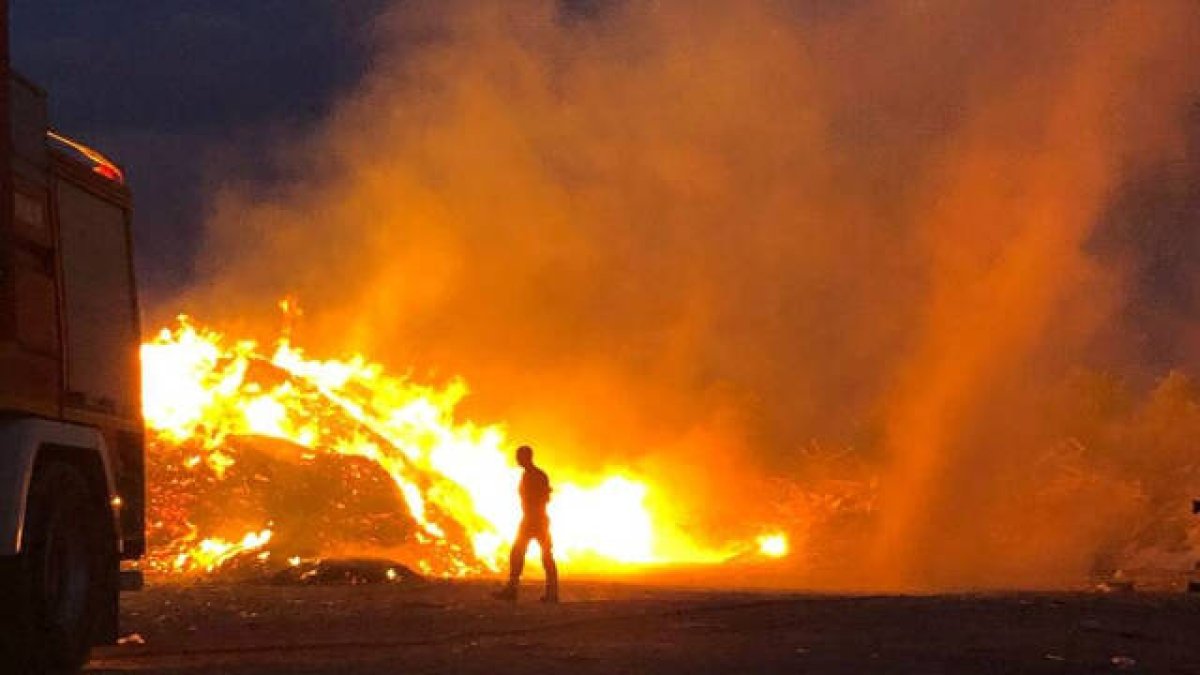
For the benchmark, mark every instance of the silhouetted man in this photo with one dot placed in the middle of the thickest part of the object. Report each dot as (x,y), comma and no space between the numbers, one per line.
(535,525)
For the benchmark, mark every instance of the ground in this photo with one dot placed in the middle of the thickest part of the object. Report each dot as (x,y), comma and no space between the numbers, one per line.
(626,628)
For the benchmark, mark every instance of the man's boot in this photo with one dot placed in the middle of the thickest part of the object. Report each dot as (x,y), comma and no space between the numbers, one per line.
(551,595)
(508,593)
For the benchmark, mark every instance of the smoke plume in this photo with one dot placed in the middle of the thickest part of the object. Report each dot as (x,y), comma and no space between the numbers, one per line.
(759,249)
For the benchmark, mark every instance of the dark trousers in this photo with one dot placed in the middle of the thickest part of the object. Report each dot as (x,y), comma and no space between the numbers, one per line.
(534,529)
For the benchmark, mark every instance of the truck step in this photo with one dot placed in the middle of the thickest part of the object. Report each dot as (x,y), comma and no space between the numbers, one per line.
(132,580)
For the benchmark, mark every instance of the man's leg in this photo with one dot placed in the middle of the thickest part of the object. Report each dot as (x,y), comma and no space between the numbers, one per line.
(516,558)
(548,564)
(516,563)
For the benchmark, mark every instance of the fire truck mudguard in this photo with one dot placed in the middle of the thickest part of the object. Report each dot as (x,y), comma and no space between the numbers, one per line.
(22,441)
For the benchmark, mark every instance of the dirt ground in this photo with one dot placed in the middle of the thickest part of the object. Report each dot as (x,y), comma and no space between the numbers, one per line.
(611,628)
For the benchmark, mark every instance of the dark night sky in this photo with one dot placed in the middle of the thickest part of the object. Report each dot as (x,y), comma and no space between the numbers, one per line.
(184,92)
(179,90)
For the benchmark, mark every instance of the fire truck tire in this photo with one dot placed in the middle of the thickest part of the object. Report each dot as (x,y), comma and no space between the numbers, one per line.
(63,581)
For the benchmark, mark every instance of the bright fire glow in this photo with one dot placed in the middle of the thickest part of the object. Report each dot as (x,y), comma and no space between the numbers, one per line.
(455,479)
(773,545)
(211,553)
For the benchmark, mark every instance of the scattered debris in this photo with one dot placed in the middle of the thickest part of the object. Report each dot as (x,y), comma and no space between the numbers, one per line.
(1123,662)
(351,571)
(1055,657)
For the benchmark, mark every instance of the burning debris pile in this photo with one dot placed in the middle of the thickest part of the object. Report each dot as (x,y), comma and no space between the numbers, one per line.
(264,462)
(297,455)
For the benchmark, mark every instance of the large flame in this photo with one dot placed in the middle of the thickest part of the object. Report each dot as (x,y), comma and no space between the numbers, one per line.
(455,479)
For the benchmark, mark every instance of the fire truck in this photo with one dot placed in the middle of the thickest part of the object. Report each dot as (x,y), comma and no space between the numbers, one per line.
(71,439)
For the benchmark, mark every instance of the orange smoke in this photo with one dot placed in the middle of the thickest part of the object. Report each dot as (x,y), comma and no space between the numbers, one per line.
(825,266)
(1012,204)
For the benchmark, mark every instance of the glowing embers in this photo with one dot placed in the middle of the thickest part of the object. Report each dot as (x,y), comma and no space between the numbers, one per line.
(209,554)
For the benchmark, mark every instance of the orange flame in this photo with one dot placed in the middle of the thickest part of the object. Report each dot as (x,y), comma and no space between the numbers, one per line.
(453,477)
(211,553)
(773,545)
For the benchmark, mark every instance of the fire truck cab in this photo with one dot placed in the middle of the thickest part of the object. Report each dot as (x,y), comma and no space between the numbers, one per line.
(71,439)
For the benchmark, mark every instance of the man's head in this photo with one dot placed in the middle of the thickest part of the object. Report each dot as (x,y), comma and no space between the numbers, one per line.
(525,456)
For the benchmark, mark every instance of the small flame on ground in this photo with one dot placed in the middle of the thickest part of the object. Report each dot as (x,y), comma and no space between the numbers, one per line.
(773,545)
(211,553)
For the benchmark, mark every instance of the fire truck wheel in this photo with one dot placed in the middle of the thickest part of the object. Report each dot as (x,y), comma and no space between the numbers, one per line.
(64,565)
